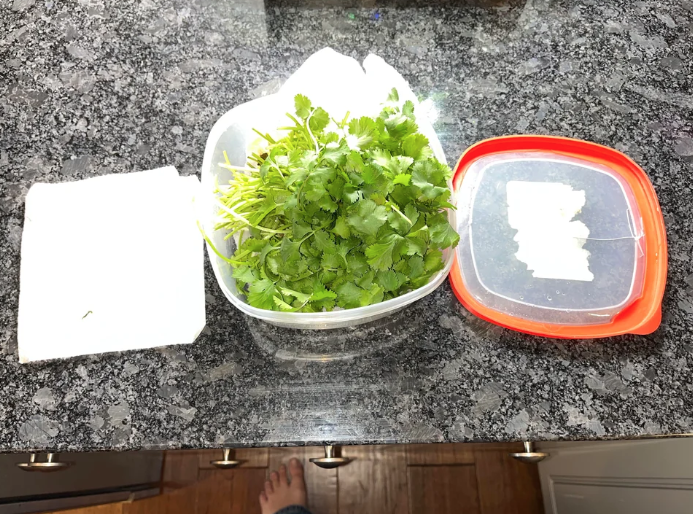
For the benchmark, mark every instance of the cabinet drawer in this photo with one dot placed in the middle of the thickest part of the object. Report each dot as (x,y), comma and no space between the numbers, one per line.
(98,471)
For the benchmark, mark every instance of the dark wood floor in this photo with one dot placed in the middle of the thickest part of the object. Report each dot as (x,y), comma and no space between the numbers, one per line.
(393,479)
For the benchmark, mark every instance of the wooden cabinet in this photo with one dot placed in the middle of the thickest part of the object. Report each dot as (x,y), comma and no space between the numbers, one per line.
(89,479)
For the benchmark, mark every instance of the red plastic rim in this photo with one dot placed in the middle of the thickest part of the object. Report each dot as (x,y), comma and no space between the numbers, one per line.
(644,315)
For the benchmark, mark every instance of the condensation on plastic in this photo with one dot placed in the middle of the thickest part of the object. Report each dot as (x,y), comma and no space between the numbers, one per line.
(232,133)
(486,253)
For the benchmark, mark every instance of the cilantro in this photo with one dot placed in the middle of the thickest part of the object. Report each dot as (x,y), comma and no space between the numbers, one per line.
(319,119)
(380,254)
(442,234)
(363,130)
(337,217)
(303,106)
(349,295)
(416,146)
(261,294)
(367,217)
(341,228)
(393,96)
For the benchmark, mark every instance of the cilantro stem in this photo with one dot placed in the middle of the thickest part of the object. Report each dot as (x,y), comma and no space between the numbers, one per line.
(307,125)
(211,245)
(238,168)
(266,137)
(233,213)
(241,218)
(394,208)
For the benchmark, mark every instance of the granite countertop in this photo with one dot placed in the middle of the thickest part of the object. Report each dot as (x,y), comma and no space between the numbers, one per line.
(92,86)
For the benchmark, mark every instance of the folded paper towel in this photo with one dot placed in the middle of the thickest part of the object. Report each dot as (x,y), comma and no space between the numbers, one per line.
(110,263)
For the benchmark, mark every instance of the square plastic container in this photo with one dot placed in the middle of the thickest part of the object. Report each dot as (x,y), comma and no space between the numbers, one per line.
(232,133)
(558,237)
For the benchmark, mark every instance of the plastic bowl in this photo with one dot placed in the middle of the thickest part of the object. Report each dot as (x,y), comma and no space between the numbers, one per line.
(232,133)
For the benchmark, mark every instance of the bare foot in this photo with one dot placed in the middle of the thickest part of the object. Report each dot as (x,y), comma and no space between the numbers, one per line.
(280,493)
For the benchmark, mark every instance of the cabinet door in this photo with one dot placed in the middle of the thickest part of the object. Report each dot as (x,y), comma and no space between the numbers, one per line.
(629,477)
(88,472)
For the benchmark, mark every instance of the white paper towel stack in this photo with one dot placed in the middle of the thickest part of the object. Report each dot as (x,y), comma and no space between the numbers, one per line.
(110,263)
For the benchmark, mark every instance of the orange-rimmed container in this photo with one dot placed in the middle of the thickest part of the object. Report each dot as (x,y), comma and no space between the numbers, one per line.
(559,238)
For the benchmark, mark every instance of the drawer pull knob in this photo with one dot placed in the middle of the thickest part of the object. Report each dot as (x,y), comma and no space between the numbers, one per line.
(50,465)
(529,455)
(227,462)
(330,460)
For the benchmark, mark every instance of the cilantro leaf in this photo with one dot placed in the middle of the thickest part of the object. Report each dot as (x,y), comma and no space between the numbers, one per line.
(354,162)
(289,250)
(393,96)
(416,147)
(301,297)
(442,234)
(324,242)
(301,228)
(336,154)
(408,109)
(327,204)
(322,293)
(262,293)
(351,193)
(380,254)
(416,266)
(412,213)
(282,305)
(341,228)
(399,126)
(368,217)
(390,280)
(244,274)
(374,294)
(415,246)
(357,263)
(402,178)
(363,130)
(430,180)
(349,295)
(319,120)
(433,261)
(303,106)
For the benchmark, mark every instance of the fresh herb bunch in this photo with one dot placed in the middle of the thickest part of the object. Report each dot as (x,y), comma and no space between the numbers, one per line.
(343,214)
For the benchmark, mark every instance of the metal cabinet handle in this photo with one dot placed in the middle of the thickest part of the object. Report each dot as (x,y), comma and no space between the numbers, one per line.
(51,464)
(529,455)
(330,460)
(227,462)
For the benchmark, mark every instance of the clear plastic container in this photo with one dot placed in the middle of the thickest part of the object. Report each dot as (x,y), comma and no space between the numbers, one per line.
(232,133)
(549,238)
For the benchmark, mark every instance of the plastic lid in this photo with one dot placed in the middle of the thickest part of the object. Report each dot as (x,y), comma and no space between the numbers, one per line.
(558,237)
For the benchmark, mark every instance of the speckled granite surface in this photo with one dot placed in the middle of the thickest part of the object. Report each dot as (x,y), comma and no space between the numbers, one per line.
(94,86)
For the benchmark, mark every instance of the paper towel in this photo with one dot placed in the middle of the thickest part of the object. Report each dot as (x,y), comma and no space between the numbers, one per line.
(340,85)
(110,263)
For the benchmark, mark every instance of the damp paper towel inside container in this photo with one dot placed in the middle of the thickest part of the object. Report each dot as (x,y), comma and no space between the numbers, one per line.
(110,263)
(341,85)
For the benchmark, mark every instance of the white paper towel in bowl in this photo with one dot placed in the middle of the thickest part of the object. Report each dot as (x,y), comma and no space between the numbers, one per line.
(340,85)
(110,263)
